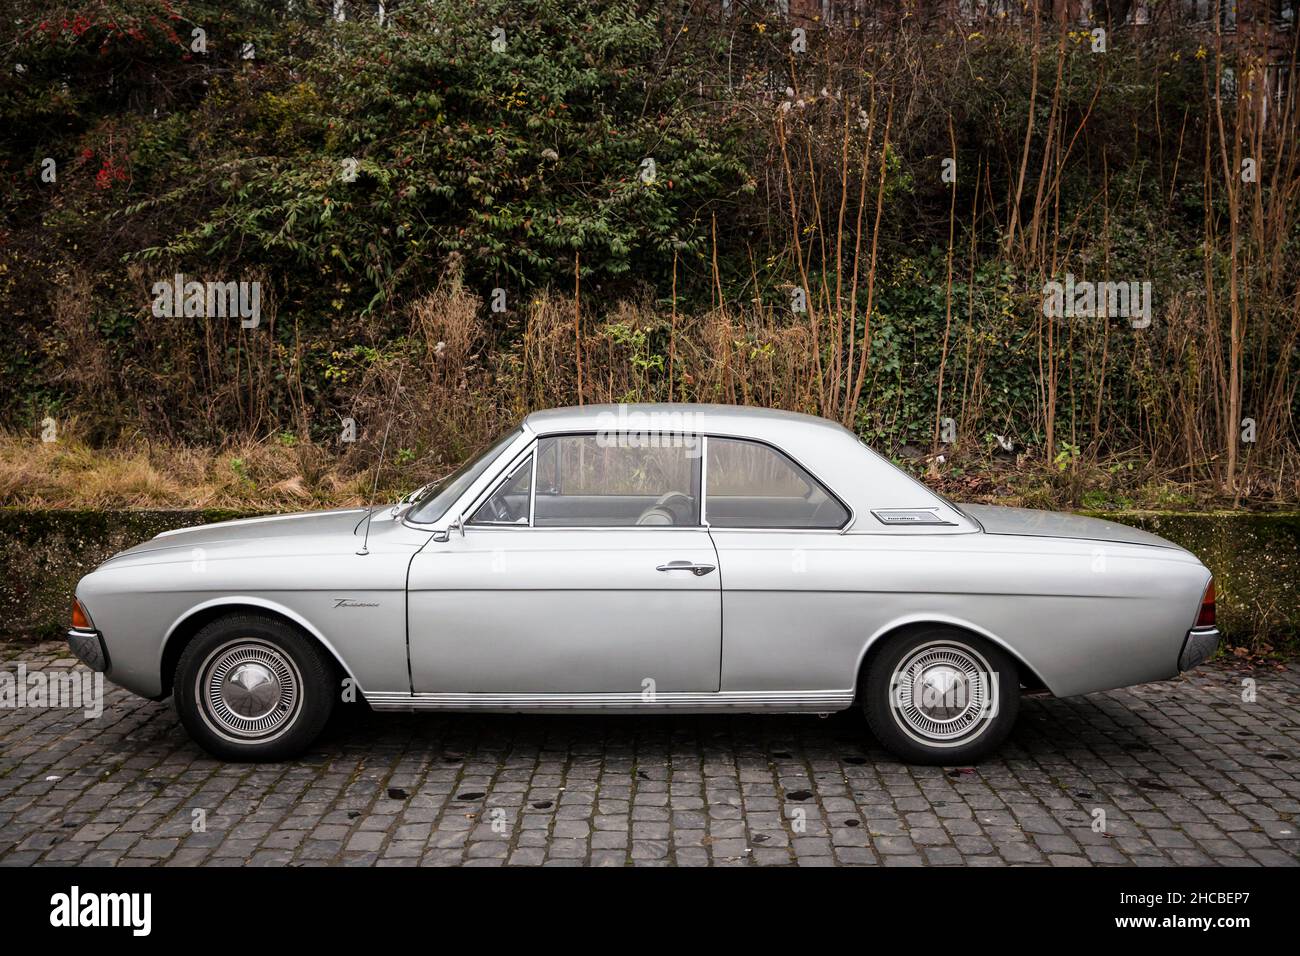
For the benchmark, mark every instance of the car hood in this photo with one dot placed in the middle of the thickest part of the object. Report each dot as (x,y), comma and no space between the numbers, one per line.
(311,523)
(1055,524)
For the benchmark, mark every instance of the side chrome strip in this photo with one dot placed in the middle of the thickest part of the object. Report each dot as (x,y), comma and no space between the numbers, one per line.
(794,701)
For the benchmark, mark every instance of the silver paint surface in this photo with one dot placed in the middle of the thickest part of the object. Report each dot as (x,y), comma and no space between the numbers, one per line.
(544,619)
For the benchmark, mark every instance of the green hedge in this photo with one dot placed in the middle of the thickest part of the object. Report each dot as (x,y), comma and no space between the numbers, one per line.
(44,553)
(1255,559)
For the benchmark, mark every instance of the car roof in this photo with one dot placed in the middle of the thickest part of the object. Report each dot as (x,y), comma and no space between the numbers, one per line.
(829,451)
(685,417)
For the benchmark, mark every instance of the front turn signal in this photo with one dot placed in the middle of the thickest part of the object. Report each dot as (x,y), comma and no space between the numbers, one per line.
(79,616)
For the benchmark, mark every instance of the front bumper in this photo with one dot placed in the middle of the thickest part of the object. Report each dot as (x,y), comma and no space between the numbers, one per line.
(1199,646)
(88,647)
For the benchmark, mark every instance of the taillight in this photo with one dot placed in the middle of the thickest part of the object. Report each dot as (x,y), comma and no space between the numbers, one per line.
(79,616)
(1206,617)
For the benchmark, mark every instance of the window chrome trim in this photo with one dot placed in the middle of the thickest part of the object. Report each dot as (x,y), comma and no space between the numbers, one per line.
(704,481)
(532,485)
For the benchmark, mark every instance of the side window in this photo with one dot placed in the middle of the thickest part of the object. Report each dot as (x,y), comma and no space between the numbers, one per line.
(755,486)
(509,503)
(585,481)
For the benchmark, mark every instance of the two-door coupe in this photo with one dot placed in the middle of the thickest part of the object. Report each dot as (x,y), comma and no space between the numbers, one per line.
(649,558)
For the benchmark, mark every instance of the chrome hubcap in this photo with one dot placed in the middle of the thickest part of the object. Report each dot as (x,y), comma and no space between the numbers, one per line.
(249,690)
(943,694)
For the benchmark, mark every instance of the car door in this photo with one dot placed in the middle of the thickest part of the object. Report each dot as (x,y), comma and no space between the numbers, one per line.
(584,571)
(796,595)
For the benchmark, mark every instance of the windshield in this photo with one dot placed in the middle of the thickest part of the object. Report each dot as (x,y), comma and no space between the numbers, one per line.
(435,498)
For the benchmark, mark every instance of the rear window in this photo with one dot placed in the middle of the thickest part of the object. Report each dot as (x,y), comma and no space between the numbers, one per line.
(751,485)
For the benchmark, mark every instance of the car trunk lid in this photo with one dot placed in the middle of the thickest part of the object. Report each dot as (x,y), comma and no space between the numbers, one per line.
(1051,524)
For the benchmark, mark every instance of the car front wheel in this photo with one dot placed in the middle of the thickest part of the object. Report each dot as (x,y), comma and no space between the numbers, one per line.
(251,688)
(941,696)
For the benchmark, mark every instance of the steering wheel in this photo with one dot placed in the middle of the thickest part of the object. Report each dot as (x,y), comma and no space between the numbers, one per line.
(497,512)
(681,505)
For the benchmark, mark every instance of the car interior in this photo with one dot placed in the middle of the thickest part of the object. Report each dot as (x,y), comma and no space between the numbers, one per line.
(581,484)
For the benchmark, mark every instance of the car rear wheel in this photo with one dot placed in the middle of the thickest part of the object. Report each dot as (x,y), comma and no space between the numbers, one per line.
(251,688)
(941,696)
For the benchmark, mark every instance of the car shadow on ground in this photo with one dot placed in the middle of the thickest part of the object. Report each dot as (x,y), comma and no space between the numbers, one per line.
(1048,729)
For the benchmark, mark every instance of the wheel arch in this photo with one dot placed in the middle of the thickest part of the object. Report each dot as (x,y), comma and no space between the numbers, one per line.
(185,627)
(1029,677)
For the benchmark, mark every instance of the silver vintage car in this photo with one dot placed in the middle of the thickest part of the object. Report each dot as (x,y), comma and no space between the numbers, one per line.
(647,559)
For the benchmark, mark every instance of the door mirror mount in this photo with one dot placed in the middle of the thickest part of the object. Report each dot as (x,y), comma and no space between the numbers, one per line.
(457,524)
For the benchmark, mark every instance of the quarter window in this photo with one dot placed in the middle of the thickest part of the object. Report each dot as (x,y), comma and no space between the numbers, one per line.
(755,486)
(586,481)
(509,503)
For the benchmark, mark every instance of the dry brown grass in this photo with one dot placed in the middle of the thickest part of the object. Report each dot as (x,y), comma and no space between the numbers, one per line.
(460,387)
(269,476)
(69,473)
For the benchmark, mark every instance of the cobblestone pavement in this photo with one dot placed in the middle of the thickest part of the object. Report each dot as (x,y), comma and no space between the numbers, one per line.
(1179,772)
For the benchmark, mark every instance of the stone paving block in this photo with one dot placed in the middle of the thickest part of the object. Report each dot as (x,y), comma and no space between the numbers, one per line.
(1183,773)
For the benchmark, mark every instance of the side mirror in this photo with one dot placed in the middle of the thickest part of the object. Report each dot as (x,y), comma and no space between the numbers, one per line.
(458,525)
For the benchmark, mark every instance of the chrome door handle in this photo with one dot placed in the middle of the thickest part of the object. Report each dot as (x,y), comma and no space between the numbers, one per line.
(699,570)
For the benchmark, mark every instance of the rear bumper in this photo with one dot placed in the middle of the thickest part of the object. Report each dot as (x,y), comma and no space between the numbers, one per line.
(1198,647)
(88,647)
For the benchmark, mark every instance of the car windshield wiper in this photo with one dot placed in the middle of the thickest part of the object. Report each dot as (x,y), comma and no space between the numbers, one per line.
(416,494)
(425,490)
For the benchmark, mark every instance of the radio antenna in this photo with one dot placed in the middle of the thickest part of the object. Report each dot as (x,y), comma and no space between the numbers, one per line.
(383,448)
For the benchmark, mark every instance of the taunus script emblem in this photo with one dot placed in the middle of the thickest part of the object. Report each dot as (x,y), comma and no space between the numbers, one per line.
(344,602)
